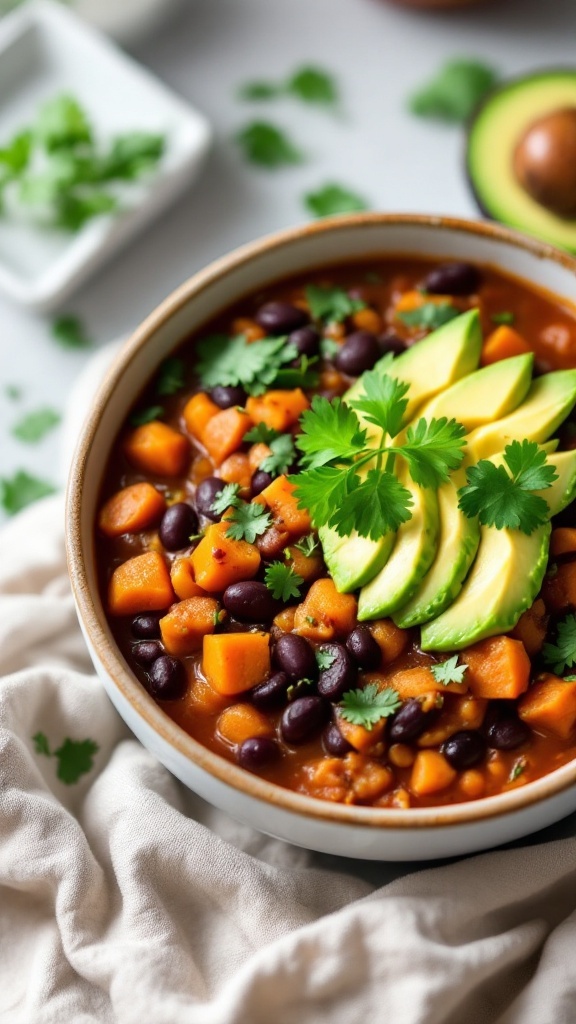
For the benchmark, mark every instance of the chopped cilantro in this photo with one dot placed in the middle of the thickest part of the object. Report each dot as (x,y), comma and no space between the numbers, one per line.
(449,671)
(226,498)
(454,92)
(309,84)
(309,545)
(283,581)
(503,318)
(75,757)
(170,377)
(261,434)
(333,199)
(131,155)
(562,654)
(282,455)
(153,412)
(369,705)
(266,145)
(231,361)
(518,768)
(331,304)
(324,659)
(41,744)
(247,522)
(329,348)
(35,425)
(21,490)
(429,316)
(502,496)
(62,123)
(260,90)
(13,392)
(70,332)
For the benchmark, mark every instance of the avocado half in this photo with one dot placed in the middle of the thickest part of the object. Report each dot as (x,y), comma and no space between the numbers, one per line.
(497,128)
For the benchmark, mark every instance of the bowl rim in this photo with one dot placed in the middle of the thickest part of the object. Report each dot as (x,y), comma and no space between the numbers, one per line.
(90,608)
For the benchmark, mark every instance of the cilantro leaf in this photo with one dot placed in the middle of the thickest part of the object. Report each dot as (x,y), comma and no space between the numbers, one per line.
(301,376)
(261,434)
(13,392)
(225,498)
(455,91)
(248,522)
(369,705)
(503,318)
(283,581)
(323,491)
(528,466)
(15,156)
(333,199)
(21,490)
(377,505)
(562,654)
(131,155)
(33,427)
(259,90)
(324,659)
(449,671)
(75,758)
(62,123)
(331,304)
(433,449)
(383,402)
(231,361)
(41,744)
(505,500)
(313,85)
(330,431)
(265,145)
(170,377)
(518,768)
(282,455)
(309,545)
(429,316)
(70,332)
(329,348)
(153,412)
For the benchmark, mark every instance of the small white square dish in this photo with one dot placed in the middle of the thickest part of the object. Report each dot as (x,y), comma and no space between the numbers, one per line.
(45,52)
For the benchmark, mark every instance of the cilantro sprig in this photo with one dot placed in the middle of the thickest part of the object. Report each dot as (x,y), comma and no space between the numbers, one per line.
(332,199)
(429,316)
(562,654)
(367,706)
(266,145)
(22,489)
(454,91)
(449,671)
(502,496)
(283,581)
(331,304)
(74,757)
(225,499)
(309,84)
(247,522)
(282,450)
(35,425)
(230,361)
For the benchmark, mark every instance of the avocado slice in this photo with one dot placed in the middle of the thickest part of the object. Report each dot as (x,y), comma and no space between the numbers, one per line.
(498,127)
(354,560)
(563,491)
(502,584)
(484,396)
(412,556)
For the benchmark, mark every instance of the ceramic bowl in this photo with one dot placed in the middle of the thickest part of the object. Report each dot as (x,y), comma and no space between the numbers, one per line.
(362,832)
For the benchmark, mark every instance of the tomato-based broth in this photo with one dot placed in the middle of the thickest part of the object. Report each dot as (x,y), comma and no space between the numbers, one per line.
(335,665)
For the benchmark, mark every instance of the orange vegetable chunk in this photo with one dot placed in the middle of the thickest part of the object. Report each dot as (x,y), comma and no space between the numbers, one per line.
(218,560)
(236,662)
(242,722)
(279,497)
(182,576)
(134,508)
(391,640)
(559,589)
(198,412)
(236,470)
(550,704)
(187,623)
(306,566)
(142,584)
(224,433)
(563,541)
(363,740)
(277,409)
(430,773)
(325,613)
(531,627)
(503,343)
(157,448)
(498,668)
(415,682)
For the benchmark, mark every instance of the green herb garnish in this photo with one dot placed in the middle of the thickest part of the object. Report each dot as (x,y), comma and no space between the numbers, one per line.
(324,659)
(75,757)
(226,498)
(329,348)
(369,705)
(70,332)
(562,654)
(503,318)
(247,522)
(502,496)
(309,84)
(266,145)
(333,199)
(429,316)
(170,377)
(518,768)
(33,427)
(153,412)
(454,91)
(261,434)
(282,455)
(331,304)
(283,582)
(309,545)
(13,392)
(231,361)
(21,490)
(449,671)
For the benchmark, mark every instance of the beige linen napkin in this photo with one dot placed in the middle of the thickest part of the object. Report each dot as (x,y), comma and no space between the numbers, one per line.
(124,898)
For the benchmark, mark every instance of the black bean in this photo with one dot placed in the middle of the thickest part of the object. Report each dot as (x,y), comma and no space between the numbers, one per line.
(508,733)
(334,742)
(205,494)
(358,353)
(167,678)
(306,340)
(408,723)
(260,480)
(146,652)
(227,397)
(390,342)
(452,279)
(303,718)
(272,693)
(281,317)
(146,627)
(257,752)
(340,676)
(363,648)
(179,523)
(464,749)
(294,655)
(250,601)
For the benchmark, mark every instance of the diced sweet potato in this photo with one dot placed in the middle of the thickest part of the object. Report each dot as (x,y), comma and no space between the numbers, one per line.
(559,587)
(391,640)
(531,628)
(279,497)
(142,584)
(277,409)
(498,668)
(224,433)
(134,508)
(236,470)
(415,682)
(249,328)
(285,619)
(157,448)
(218,560)
(242,722)
(503,343)
(324,613)
(363,740)
(309,567)
(204,698)
(182,576)
(187,623)
(198,412)
(258,452)
(550,704)
(563,541)
(236,662)
(430,773)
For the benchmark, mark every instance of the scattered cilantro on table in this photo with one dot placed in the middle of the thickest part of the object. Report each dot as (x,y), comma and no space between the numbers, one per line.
(562,654)
(70,332)
(333,199)
(502,496)
(454,92)
(331,304)
(13,392)
(266,145)
(75,757)
(309,84)
(35,425)
(449,671)
(170,377)
(142,416)
(283,581)
(429,316)
(369,705)
(21,490)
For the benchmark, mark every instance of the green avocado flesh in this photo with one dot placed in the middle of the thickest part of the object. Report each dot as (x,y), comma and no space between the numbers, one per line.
(496,131)
(503,582)
(485,395)
(354,560)
(563,490)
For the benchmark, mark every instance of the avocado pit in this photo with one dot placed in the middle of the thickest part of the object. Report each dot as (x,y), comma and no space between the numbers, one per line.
(545,161)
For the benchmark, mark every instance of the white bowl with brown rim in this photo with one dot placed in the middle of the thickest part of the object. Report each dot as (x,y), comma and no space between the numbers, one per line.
(352,831)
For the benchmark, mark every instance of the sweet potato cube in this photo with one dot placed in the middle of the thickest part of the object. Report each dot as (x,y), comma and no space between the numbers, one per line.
(218,560)
(182,576)
(279,497)
(134,508)
(415,682)
(198,412)
(325,613)
(363,740)
(550,704)
(391,640)
(277,409)
(563,541)
(187,623)
(236,662)
(242,722)
(503,343)
(498,668)
(559,588)
(224,433)
(531,628)
(157,448)
(430,773)
(142,584)
(236,470)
